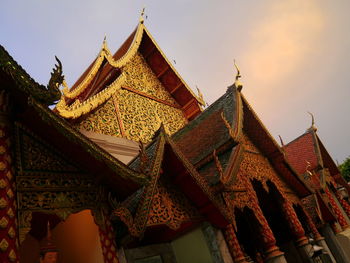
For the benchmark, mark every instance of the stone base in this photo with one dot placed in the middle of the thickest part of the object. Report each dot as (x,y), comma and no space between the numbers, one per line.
(321,242)
(306,252)
(344,241)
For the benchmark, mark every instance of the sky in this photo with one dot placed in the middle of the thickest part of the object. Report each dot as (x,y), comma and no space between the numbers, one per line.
(293,54)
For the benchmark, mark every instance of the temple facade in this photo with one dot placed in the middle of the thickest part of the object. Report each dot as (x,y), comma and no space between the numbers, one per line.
(129,167)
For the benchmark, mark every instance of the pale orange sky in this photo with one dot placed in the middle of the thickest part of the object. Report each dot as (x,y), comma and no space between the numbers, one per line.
(293,54)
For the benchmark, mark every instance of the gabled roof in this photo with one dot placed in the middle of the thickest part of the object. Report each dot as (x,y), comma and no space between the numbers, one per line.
(309,149)
(213,131)
(302,150)
(105,75)
(31,100)
(165,159)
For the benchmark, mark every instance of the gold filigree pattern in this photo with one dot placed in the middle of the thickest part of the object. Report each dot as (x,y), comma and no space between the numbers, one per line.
(35,156)
(255,166)
(139,76)
(140,116)
(104,120)
(170,207)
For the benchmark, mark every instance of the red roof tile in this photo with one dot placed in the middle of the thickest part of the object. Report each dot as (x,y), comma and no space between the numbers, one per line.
(300,151)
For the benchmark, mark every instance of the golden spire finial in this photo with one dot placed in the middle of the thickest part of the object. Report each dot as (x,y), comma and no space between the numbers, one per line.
(142,14)
(313,127)
(200,96)
(237,83)
(104,43)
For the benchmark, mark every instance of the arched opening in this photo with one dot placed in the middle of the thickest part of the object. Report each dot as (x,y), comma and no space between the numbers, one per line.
(77,238)
(270,203)
(248,227)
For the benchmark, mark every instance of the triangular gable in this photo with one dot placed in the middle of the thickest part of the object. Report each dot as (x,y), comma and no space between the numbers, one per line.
(105,75)
(261,137)
(187,185)
(34,156)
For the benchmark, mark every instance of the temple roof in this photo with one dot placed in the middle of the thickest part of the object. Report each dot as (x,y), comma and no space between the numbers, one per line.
(105,75)
(302,150)
(209,132)
(308,150)
(164,159)
(32,100)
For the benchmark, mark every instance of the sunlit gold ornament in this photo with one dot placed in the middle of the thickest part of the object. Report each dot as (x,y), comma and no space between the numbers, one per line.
(9,175)
(10,213)
(12,256)
(2,149)
(2,166)
(12,232)
(237,83)
(4,245)
(3,184)
(3,222)
(9,193)
(3,203)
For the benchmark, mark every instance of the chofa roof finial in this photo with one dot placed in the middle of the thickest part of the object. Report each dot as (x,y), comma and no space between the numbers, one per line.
(313,127)
(142,14)
(237,83)
(282,143)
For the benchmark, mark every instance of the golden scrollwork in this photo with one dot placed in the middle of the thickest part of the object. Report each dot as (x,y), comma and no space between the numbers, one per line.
(170,207)
(104,120)
(255,166)
(139,123)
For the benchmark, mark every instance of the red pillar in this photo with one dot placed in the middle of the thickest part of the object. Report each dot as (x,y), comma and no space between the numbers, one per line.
(337,211)
(233,245)
(267,237)
(312,226)
(8,221)
(107,238)
(294,223)
(343,203)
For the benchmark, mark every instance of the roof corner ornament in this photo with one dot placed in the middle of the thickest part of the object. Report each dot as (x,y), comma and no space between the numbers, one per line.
(282,143)
(237,83)
(308,174)
(142,15)
(313,127)
(56,80)
(228,126)
(200,96)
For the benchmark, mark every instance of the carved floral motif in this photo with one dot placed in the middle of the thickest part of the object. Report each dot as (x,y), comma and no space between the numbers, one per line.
(170,207)
(104,120)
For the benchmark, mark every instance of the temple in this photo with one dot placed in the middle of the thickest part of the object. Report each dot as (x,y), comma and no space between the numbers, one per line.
(130,167)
